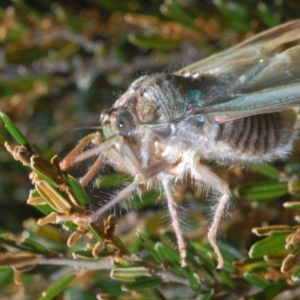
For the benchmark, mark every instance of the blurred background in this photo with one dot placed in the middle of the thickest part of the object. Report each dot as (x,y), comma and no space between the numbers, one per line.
(62,63)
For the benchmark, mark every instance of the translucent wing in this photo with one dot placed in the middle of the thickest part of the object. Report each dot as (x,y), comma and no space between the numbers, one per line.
(259,75)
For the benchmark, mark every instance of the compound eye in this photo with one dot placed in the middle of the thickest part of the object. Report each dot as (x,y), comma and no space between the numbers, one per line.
(123,123)
(106,123)
(107,129)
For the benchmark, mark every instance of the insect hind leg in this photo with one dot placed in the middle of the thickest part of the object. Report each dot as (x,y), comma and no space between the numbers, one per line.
(172,206)
(213,230)
(202,173)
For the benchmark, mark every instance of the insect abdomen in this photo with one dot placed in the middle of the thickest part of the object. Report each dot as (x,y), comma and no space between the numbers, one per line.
(259,134)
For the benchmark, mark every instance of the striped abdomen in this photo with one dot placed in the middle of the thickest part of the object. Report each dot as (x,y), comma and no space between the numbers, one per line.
(259,134)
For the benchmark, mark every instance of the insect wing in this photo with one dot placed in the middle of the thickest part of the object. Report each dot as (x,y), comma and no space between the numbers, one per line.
(251,49)
(265,101)
(251,78)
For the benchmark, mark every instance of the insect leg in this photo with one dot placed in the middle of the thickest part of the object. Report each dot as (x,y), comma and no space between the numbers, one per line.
(213,230)
(140,178)
(119,197)
(121,156)
(76,156)
(143,176)
(202,173)
(91,172)
(172,206)
(71,157)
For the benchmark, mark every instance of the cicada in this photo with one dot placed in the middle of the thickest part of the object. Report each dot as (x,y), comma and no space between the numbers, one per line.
(235,107)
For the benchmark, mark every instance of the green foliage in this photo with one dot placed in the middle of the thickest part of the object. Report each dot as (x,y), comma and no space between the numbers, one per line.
(62,65)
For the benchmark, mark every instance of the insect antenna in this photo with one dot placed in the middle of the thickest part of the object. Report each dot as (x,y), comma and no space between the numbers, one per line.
(87,128)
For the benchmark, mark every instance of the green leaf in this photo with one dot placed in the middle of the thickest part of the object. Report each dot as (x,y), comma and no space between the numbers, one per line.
(226,279)
(120,244)
(270,245)
(35,247)
(53,197)
(86,254)
(113,6)
(57,287)
(229,254)
(46,170)
(112,180)
(27,245)
(205,254)
(95,233)
(266,14)
(271,290)
(251,265)
(262,191)
(292,205)
(296,275)
(153,42)
(147,198)
(293,168)
(174,11)
(14,131)
(268,230)
(113,288)
(208,296)
(266,170)
(256,280)
(195,282)
(46,209)
(67,19)
(143,283)
(129,273)
(236,13)
(80,194)
(167,254)
(6,276)
(147,243)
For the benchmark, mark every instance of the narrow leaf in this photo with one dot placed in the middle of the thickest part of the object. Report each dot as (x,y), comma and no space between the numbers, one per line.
(81,196)
(256,280)
(272,244)
(57,287)
(143,283)
(129,274)
(14,131)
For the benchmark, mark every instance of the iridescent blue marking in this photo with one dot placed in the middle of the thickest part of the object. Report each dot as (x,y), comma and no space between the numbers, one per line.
(194,97)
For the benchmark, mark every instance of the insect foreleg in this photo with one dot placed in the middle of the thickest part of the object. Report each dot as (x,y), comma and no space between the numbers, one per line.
(114,149)
(203,174)
(71,157)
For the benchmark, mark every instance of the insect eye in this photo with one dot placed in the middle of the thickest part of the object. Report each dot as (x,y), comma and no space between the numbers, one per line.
(122,123)
(107,129)
(116,122)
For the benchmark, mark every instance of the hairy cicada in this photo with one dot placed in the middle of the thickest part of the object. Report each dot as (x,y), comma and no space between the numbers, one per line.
(234,107)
